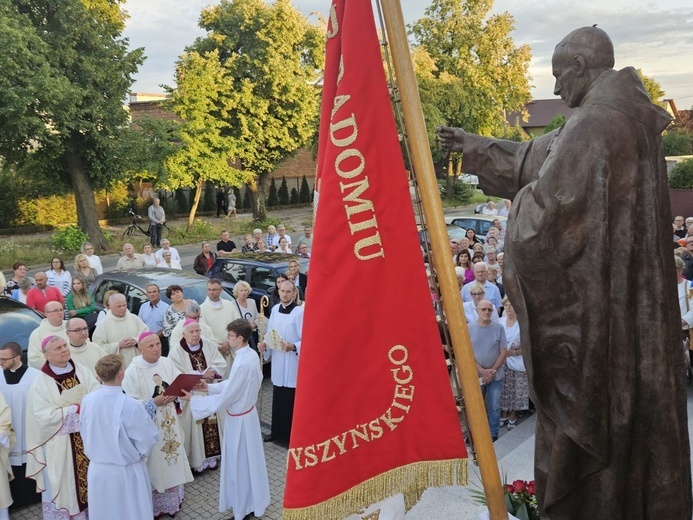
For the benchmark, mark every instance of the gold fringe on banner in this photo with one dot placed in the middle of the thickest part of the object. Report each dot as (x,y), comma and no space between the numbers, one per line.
(411,480)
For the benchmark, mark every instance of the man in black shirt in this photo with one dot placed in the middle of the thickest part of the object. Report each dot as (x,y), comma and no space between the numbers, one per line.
(226,246)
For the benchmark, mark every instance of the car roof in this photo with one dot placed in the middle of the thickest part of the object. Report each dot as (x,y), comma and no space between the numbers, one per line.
(276,259)
(477,216)
(161,276)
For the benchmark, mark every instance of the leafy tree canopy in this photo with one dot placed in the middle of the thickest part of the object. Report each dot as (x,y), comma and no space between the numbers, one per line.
(474,72)
(271,59)
(678,141)
(64,72)
(681,175)
(653,88)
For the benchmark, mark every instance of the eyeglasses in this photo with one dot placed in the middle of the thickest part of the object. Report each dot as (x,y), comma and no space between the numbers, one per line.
(79,331)
(477,294)
(54,310)
(5,360)
(486,310)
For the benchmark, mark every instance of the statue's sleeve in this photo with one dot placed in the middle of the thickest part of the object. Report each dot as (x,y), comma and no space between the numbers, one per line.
(505,167)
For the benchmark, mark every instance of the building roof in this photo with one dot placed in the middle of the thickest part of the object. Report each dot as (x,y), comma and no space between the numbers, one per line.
(541,112)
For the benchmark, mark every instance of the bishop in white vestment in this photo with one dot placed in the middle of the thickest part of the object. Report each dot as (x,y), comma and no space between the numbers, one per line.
(147,378)
(244,486)
(55,452)
(15,381)
(7,440)
(118,433)
(194,354)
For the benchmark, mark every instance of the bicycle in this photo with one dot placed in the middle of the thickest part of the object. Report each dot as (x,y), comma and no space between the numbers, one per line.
(135,229)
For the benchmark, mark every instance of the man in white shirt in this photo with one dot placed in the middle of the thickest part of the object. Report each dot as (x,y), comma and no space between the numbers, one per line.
(481,276)
(118,435)
(490,208)
(166,246)
(152,314)
(281,230)
(286,320)
(130,259)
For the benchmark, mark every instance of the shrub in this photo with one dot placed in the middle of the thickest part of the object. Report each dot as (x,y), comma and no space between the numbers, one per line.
(69,239)
(247,226)
(200,230)
(294,197)
(304,195)
(681,175)
(283,193)
(462,192)
(272,199)
(678,141)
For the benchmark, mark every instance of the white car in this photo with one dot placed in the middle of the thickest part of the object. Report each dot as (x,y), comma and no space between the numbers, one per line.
(479,223)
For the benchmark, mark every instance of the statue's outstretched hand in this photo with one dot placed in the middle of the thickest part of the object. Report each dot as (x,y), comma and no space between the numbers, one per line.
(451,139)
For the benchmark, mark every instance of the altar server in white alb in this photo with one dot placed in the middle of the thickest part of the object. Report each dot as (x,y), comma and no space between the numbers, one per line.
(15,381)
(55,452)
(118,433)
(7,441)
(243,486)
(195,354)
(146,379)
(287,320)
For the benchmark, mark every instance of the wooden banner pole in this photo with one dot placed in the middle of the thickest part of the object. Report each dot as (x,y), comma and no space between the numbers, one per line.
(433,213)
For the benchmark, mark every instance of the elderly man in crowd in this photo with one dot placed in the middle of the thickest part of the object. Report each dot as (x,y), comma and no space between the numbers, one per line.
(281,231)
(117,333)
(130,259)
(15,381)
(306,238)
(38,296)
(52,325)
(157,217)
(481,276)
(195,354)
(146,379)
(56,458)
(82,350)
(286,322)
(490,346)
(118,434)
(217,313)
(193,311)
(166,247)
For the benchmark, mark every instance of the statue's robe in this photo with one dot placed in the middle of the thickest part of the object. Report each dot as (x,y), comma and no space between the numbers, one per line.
(589,269)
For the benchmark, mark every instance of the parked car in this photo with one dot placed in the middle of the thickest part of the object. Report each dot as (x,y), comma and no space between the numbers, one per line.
(17,322)
(479,223)
(133,283)
(258,269)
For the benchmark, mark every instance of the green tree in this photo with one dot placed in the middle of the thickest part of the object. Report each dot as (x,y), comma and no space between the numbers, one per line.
(272,198)
(556,122)
(678,141)
(473,71)
(653,88)
(681,175)
(283,193)
(202,101)
(293,199)
(64,72)
(146,145)
(272,57)
(304,195)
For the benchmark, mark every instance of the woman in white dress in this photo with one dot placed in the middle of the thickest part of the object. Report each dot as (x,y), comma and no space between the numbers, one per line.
(515,393)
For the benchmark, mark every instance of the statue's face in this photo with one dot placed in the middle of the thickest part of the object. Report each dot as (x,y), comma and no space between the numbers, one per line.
(568,84)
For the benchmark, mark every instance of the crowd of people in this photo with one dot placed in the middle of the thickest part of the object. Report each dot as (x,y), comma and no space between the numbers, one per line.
(98,435)
(493,326)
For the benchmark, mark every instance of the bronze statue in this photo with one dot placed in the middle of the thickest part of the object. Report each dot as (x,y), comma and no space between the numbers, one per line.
(589,269)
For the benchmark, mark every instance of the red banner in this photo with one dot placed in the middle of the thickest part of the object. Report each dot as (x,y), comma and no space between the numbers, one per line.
(374,413)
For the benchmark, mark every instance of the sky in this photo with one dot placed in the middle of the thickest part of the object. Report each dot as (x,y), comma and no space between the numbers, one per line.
(655,36)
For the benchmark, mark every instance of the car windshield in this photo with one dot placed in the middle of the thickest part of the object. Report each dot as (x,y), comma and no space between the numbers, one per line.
(17,323)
